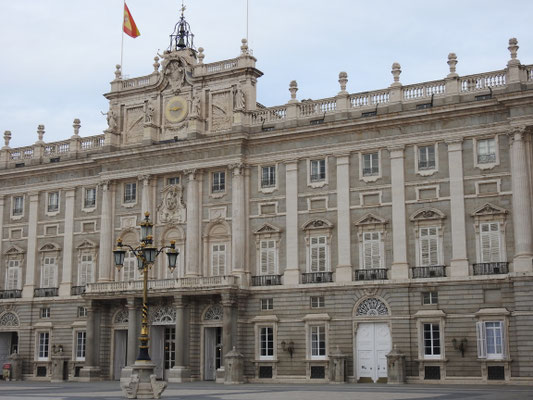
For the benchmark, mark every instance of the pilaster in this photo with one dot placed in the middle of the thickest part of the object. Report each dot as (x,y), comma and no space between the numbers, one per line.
(292,272)
(91,370)
(2,203)
(106,232)
(238,221)
(133,342)
(33,215)
(146,198)
(181,371)
(229,329)
(344,268)
(192,244)
(68,240)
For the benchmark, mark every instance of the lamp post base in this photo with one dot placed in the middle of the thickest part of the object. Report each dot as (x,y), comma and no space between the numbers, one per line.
(142,383)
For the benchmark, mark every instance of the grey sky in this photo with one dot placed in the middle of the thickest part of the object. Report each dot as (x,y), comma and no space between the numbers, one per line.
(58,56)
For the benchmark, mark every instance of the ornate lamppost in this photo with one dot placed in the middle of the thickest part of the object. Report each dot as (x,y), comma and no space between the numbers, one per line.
(142,383)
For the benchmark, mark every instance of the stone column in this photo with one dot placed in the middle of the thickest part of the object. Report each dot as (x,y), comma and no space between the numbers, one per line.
(133,343)
(229,329)
(68,241)
(192,244)
(106,232)
(522,221)
(292,269)
(90,370)
(29,284)
(146,196)
(2,202)
(181,371)
(459,261)
(238,222)
(344,267)
(400,267)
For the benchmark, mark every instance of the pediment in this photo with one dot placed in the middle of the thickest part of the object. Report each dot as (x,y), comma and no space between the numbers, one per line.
(14,250)
(86,244)
(267,228)
(489,209)
(49,247)
(371,219)
(427,214)
(317,223)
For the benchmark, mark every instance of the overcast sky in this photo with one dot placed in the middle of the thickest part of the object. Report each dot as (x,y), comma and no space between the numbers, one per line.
(58,56)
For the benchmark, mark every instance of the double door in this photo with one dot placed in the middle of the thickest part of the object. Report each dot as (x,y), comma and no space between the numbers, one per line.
(373,343)
(163,349)
(212,352)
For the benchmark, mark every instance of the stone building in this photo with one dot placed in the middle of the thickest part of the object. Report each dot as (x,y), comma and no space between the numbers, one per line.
(398,218)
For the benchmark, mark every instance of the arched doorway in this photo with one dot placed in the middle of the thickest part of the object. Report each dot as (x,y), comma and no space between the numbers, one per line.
(162,339)
(9,324)
(212,341)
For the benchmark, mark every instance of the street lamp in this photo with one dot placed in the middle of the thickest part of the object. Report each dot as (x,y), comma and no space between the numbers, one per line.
(146,254)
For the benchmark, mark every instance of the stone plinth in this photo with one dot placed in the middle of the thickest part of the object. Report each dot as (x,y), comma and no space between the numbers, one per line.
(58,368)
(178,374)
(234,367)
(16,367)
(142,383)
(337,366)
(396,366)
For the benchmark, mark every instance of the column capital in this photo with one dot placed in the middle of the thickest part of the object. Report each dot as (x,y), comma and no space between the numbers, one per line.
(228,299)
(105,184)
(343,158)
(453,140)
(518,133)
(179,301)
(237,168)
(34,196)
(396,151)
(145,179)
(192,173)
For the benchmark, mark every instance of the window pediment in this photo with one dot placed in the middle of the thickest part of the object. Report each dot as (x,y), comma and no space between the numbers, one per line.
(489,210)
(427,214)
(49,247)
(317,223)
(267,229)
(371,219)
(14,251)
(87,245)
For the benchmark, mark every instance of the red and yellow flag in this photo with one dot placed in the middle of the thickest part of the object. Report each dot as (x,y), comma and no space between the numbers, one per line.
(129,26)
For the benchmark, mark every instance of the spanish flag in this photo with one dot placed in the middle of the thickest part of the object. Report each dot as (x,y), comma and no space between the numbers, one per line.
(129,26)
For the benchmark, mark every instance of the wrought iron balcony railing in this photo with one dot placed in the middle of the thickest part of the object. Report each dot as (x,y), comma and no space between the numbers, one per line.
(370,274)
(10,294)
(430,271)
(77,290)
(266,280)
(45,292)
(491,268)
(317,277)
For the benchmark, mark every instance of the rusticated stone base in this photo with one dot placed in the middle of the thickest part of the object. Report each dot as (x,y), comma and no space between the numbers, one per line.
(142,383)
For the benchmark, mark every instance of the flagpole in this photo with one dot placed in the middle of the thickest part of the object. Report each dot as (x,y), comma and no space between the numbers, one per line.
(246,20)
(122,44)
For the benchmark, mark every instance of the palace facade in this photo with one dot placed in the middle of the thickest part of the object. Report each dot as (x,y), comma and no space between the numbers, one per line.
(318,230)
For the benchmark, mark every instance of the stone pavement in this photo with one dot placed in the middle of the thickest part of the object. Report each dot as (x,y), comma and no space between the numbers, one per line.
(211,391)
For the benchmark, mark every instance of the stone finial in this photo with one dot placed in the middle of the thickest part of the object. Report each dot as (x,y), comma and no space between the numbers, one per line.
(513,49)
(76,125)
(201,55)
(343,80)
(244,48)
(452,62)
(396,71)
(7,138)
(118,72)
(40,133)
(156,65)
(293,88)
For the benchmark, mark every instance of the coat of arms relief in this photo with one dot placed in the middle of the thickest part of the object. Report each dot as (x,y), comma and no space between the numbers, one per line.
(171,209)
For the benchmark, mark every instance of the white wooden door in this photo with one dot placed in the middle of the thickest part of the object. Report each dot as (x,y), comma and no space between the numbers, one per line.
(5,345)
(157,352)
(373,343)
(210,354)
(120,352)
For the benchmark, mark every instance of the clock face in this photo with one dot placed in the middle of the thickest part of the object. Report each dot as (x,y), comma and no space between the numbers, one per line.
(176,109)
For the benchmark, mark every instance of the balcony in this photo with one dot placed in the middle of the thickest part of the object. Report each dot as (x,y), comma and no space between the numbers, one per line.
(77,290)
(266,280)
(492,268)
(317,277)
(45,292)
(10,294)
(431,271)
(371,274)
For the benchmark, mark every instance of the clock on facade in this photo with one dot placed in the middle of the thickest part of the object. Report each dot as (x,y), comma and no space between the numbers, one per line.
(176,109)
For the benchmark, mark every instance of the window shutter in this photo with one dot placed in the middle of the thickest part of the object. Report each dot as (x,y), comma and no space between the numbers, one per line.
(214,260)
(424,248)
(367,248)
(481,340)
(494,242)
(222,260)
(314,259)
(504,340)
(322,258)
(271,257)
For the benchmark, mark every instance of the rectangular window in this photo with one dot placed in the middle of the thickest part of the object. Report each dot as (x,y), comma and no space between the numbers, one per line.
(175,180)
(429,240)
(82,312)
(268,257)
(268,176)
(426,157)
(13,275)
(81,338)
(219,182)
(318,256)
(490,339)
(267,304)
(371,164)
(53,201)
(267,343)
(130,264)
(48,272)
(45,312)
(371,250)
(86,269)
(43,349)
(486,151)
(431,340)
(318,170)
(18,205)
(218,259)
(490,242)
(429,298)
(318,341)
(317,302)
(90,198)
(130,192)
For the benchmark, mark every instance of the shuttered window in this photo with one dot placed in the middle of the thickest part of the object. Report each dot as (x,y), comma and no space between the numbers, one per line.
(130,264)
(218,259)
(429,247)
(13,275)
(490,242)
(268,257)
(318,256)
(48,272)
(426,157)
(490,339)
(86,271)
(371,250)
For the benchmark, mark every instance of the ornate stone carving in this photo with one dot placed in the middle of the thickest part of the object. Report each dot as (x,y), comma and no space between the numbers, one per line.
(162,315)
(196,107)
(112,120)
(221,111)
(489,209)
(149,112)
(427,214)
(121,317)
(178,72)
(9,319)
(171,208)
(317,224)
(267,228)
(372,307)
(371,219)
(214,313)
(239,100)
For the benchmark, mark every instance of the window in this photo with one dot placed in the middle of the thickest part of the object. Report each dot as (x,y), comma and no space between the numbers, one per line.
(268,176)
(429,246)
(490,242)
(90,198)
(267,343)
(490,339)
(486,151)
(53,201)
(429,298)
(45,312)
(82,312)
(43,346)
(318,254)
(317,302)
(219,182)
(267,304)
(130,265)
(371,250)
(268,257)
(318,341)
(18,205)
(371,164)
(13,275)
(85,275)
(431,334)
(48,272)
(218,259)
(426,157)
(318,170)
(81,338)
(175,180)
(130,192)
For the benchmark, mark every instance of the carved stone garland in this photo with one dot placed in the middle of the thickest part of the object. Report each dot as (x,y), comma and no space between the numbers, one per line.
(162,315)
(9,319)
(372,307)
(214,313)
